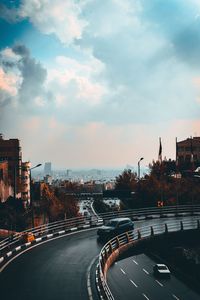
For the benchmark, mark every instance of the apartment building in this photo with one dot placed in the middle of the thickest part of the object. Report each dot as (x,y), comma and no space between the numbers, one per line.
(5,187)
(25,183)
(189,150)
(10,151)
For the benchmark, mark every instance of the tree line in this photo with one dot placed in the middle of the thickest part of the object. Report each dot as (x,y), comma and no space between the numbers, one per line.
(164,185)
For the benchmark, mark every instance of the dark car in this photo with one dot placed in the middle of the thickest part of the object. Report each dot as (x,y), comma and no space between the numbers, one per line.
(161,270)
(115,227)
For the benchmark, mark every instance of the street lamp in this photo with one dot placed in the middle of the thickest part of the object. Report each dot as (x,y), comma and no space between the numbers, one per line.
(139,167)
(31,200)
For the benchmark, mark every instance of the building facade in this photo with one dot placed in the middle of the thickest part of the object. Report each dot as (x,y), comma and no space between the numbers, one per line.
(25,183)
(5,187)
(10,151)
(189,150)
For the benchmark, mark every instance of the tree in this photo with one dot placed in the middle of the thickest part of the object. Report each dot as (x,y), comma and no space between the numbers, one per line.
(13,215)
(126,182)
(69,204)
(125,186)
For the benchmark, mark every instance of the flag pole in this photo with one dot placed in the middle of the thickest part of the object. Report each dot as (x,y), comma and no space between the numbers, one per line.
(177,200)
(160,151)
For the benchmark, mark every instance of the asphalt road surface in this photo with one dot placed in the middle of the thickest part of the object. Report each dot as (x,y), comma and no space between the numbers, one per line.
(52,271)
(57,270)
(133,278)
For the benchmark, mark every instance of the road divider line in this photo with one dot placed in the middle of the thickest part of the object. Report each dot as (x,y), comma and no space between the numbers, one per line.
(61,232)
(146,271)
(159,282)
(38,240)
(49,235)
(1,259)
(86,226)
(9,254)
(175,297)
(145,296)
(18,248)
(133,283)
(74,228)
(135,262)
(123,271)
(27,244)
(89,288)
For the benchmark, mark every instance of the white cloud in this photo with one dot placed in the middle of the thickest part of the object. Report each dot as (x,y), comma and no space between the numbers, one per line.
(108,18)
(73,81)
(9,82)
(8,54)
(133,75)
(10,77)
(58,17)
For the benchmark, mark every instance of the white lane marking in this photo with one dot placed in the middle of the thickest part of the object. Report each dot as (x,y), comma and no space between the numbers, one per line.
(145,297)
(133,283)
(89,278)
(159,282)
(146,271)
(123,271)
(135,262)
(175,297)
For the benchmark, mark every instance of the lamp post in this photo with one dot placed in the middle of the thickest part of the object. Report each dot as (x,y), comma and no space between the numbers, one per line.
(139,167)
(31,200)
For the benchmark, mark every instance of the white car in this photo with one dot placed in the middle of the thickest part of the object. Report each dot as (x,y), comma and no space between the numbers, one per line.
(161,270)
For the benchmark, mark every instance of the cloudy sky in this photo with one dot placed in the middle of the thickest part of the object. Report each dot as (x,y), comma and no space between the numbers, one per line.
(92,83)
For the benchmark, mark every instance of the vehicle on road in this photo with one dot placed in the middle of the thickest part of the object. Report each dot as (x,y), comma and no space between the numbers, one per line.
(161,270)
(28,237)
(115,227)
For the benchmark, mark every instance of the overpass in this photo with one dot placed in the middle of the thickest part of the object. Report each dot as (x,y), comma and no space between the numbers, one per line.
(58,265)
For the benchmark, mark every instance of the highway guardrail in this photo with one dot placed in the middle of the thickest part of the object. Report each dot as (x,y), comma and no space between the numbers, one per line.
(120,244)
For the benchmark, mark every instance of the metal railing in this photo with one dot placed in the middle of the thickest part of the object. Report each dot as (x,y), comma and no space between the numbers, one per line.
(151,211)
(96,220)
(50,228)
(108,253)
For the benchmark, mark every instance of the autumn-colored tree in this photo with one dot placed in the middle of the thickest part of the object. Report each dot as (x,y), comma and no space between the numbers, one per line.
(164,168)
(50,204)
(160,185)
(57,204)
(69,204)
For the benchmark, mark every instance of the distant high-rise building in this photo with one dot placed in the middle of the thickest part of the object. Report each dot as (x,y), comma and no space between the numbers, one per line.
(69,173)
(47,168)
(10,151)
(48,179)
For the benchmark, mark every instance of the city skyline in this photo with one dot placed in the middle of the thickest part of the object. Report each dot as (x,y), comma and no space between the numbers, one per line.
(82,93)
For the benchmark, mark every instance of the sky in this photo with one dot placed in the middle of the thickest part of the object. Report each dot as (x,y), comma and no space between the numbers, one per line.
(92,83)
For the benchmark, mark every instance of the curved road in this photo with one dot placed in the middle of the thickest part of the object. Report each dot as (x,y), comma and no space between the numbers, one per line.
(132,278)
(54,270)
